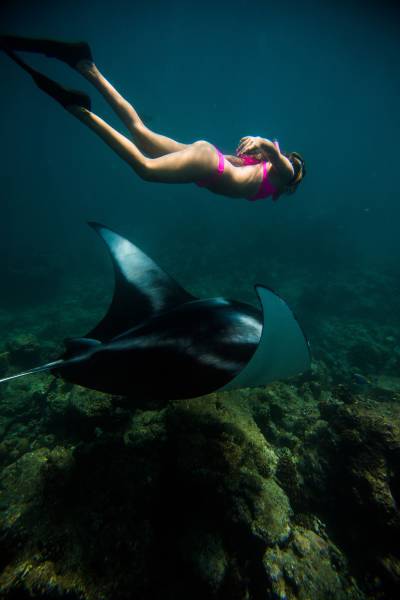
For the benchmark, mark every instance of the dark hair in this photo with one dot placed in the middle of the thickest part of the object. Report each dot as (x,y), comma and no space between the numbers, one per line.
(299,168)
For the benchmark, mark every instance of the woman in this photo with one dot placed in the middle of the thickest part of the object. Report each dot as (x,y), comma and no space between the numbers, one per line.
(258,170)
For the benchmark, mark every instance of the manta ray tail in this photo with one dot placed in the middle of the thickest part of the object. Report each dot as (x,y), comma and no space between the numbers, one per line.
(76,348)
(46,367)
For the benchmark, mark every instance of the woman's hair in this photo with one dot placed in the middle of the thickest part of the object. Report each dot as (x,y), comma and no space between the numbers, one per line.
(299,168)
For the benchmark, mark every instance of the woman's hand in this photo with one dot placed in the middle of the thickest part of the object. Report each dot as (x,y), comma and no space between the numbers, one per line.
(250,145)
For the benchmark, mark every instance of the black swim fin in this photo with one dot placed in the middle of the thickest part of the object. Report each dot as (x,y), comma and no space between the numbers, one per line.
(69,52)
(61,94)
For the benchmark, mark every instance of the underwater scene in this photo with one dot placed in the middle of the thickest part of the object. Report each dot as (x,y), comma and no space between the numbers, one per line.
(199,384)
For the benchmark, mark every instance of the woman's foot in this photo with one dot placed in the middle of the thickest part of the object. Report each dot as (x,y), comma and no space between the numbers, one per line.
(69,52)
(62,95)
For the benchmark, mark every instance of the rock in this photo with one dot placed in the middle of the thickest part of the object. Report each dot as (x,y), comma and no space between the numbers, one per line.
(367,356)
(353,476)
(4,363)
(388,383)
(203,553)
(24,351)
(78,411)
(189,489)
(307,568)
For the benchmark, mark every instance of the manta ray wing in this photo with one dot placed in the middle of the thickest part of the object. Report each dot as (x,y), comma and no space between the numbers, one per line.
(283,350)
(141,289)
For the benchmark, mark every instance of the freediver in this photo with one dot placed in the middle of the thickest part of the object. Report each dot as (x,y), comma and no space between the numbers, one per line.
(258,170)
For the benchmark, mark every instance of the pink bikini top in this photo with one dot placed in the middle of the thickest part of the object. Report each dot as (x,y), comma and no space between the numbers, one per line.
(266,188)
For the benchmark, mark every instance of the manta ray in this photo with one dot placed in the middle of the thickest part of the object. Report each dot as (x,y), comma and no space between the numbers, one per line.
(159,341)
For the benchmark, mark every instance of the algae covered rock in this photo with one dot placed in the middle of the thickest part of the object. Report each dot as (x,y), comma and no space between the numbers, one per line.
(351,476)
(73,410)
(194,501)
(22,486)
(368,356)
(187,492)
(221,454)
(20,483)
(204,554)
(146,428)
(308,568)
(24,351)
(4,363)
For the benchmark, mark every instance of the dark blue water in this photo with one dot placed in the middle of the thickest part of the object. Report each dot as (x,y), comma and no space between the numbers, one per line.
(321,77)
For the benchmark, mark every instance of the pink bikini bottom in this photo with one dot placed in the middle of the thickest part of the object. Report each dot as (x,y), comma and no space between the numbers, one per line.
(220,170)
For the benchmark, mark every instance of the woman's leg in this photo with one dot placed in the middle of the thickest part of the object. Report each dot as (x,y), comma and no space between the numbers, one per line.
(196,161)
(153,144)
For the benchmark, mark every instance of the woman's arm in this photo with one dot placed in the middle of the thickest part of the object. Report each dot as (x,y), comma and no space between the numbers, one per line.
(255,145)
(234,160)
(278,160)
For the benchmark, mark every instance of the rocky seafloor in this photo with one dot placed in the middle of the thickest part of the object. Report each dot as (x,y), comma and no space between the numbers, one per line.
(285,492)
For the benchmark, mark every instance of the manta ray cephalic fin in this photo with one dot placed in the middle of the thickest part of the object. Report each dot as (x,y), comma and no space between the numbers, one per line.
(142,289)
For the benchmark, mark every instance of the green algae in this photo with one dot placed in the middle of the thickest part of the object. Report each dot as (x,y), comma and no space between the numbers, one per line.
(189,491)
(308,568)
